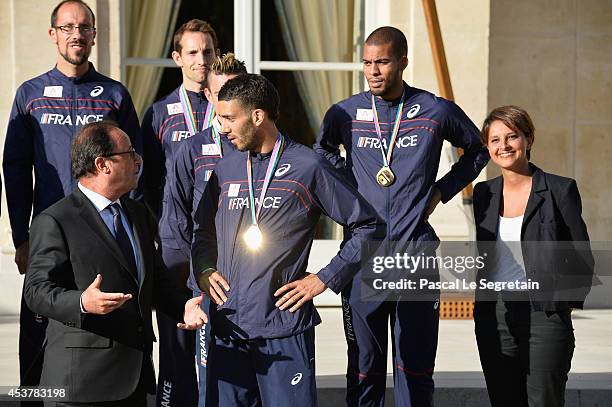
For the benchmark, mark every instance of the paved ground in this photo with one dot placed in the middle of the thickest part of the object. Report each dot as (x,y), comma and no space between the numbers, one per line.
(456,350)
(458,375)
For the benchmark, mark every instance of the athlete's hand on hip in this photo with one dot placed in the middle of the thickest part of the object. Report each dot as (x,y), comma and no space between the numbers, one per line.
(435,199)
(194,316)
(213,284)
(96,301)
(297,293)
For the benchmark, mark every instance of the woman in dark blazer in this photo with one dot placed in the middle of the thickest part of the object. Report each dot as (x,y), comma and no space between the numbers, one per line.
(529,224)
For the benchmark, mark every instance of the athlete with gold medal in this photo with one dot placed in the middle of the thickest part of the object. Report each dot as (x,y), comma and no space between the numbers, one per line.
(404,193)
(252,238)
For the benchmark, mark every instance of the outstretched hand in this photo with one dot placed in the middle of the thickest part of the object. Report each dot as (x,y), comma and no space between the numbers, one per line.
(95,301)
(194,317)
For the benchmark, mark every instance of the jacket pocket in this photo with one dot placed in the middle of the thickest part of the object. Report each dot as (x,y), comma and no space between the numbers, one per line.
(86,340)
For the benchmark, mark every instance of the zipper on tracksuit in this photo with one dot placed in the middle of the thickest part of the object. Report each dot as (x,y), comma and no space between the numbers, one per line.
(73,117)
(388,214)
(390,118)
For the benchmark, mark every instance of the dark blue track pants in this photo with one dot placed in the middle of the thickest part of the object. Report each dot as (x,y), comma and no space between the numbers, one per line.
(414,333)
(262,372)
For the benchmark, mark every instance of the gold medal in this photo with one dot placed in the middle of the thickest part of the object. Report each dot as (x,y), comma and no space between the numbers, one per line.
(253,237)
(385,176)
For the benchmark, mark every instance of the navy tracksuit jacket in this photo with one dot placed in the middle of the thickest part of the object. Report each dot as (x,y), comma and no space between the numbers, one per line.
(426,122)
(304,187)
(47,114)
(163,132)
(274,348)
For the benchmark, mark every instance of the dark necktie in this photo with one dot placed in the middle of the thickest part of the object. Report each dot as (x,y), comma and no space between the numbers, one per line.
(122,238)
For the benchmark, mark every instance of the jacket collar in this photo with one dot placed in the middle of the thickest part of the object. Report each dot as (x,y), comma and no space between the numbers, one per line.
(536,196)
(92,218)
(538,181)
(408,93)
(538,187)
(90,74)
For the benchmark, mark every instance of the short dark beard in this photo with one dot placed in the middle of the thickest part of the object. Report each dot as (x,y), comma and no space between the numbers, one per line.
(74,61)
(251,144)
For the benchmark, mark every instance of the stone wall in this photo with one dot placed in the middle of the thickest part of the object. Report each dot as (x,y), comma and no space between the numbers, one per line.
(554,58)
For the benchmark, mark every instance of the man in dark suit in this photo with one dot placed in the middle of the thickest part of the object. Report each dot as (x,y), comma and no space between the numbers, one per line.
(94,272)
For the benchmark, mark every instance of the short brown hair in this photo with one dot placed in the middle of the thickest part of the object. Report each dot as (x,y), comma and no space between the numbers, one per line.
(515,118)
(79,2)
(194,25)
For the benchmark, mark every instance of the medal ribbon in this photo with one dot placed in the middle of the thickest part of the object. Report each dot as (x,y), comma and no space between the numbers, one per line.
(398,118)
(209,116)
(274,159)
(188,112)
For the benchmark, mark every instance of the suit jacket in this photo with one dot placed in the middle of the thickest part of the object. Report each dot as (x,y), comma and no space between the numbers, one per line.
(97,357)
(554,239)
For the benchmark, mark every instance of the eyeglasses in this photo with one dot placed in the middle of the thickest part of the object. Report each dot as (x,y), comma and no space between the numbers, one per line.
(70,28)
(131,152)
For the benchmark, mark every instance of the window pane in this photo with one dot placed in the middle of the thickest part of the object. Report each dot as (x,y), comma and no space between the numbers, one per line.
(311,30)
(293,117)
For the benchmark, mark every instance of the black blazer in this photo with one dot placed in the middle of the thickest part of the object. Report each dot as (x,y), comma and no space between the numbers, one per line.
(97,357)
(563,269)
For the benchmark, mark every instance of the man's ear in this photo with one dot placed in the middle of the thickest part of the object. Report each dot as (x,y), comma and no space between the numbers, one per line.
(53,34)
(208,94)
(176,56)
(258,116)
(404,62)
(101,165)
